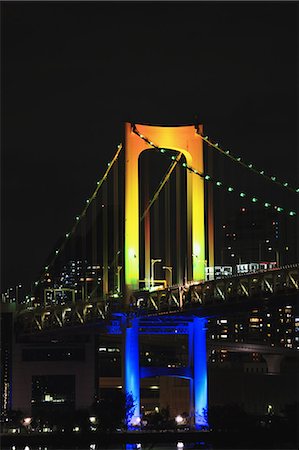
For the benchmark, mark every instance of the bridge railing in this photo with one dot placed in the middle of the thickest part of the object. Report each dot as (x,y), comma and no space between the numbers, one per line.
(221,291)
(175,299)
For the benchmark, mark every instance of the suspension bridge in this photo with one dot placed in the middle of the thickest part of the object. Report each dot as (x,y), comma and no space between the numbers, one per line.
(104,269)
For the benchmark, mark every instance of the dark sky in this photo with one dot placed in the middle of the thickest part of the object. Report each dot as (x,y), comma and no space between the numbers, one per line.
(73,73)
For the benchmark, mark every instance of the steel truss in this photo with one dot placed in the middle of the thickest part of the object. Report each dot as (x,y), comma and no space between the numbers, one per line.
(173,300)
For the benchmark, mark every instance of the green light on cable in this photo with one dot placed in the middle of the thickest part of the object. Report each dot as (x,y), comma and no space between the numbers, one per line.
(242,194)
(254,199)
(230,189)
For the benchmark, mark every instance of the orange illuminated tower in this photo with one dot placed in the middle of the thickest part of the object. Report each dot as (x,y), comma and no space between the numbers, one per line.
(183,139)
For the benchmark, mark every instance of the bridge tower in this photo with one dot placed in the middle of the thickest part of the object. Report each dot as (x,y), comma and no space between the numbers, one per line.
(186,140)
(182,139)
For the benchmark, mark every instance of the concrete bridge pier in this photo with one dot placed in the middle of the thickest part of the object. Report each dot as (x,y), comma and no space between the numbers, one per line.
(198,356)
(196,371)
(131,369)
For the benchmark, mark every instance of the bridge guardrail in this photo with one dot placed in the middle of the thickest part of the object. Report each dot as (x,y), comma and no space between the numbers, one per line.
(259,285)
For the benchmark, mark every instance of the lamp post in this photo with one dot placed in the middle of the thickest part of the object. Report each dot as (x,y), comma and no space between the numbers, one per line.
(169,268)
(153,262)
(118,278)
(17,292)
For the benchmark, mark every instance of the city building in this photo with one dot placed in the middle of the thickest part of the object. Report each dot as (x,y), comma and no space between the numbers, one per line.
(257,235)
(7,338)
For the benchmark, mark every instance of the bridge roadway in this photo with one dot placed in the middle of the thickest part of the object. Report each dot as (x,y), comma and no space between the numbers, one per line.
(204,299)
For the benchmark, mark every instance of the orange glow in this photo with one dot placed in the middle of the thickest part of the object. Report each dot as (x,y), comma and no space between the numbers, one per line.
(182,139)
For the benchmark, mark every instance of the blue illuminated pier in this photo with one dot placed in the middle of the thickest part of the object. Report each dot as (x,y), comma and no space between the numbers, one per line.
(131,370)
(200,385)
(196,371)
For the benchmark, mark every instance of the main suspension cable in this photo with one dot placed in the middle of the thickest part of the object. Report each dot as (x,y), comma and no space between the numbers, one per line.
(83,213)
(161,185)
(250,166)
(207,177)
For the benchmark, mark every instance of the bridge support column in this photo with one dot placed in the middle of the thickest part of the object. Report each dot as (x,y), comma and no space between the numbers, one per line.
(200,386)
(131,371)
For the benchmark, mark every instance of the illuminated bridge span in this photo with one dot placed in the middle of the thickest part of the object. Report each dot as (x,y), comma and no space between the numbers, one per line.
(106,275)
(210,298)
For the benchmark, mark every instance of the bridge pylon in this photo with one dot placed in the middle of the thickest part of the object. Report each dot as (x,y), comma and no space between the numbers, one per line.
(186,140)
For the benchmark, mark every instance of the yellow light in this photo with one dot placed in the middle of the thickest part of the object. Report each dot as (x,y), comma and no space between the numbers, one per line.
(179,139)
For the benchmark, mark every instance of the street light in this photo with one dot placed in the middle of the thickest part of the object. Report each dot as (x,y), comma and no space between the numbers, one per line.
(17,292)
(169,268)
(92,419)
(153,262)
(118,278)
(179,419)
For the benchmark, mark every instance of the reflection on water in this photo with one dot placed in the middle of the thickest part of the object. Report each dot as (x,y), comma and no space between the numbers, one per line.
(178,446)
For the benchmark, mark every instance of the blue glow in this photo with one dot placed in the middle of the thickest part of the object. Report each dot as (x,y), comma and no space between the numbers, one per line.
(132,375)
(200,374)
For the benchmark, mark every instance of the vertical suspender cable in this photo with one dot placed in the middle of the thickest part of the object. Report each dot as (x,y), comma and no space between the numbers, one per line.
(83,243)
(211,231)
(167,232)
(105,238)
(147,231)
(94,245)
(116,272)
(179,274)
(156,229)
(122,225)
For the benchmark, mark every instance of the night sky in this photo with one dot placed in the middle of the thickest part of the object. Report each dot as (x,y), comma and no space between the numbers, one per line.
(73,73)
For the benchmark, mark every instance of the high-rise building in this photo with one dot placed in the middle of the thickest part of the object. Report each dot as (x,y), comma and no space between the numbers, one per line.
(257,235)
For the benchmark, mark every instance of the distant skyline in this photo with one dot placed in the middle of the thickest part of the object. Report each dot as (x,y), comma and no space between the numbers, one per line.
(73,73)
